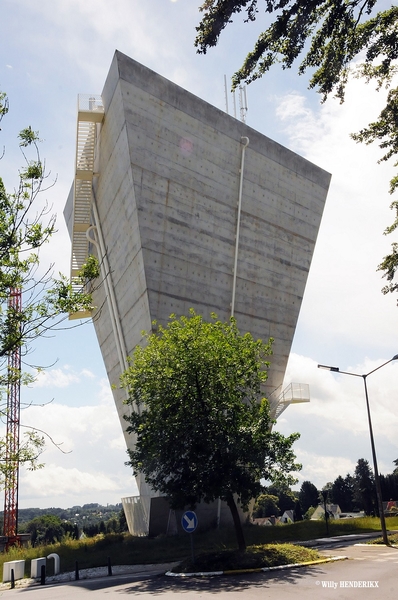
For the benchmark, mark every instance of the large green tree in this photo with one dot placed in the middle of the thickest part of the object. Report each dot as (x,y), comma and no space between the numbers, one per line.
(328,36)
(47,529)
(202,427)
(266,506)
(342,493)
(26,225)
(308,496)
(364,487)
(389,487)
(286,498)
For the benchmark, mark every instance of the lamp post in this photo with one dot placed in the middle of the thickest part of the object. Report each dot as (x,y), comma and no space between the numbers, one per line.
(324,496)
(372,443)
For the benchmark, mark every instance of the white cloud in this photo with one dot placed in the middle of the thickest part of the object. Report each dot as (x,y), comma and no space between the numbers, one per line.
(343,304)
(65,487)
(92,30)
(87,373)
(321,469)
(105,393)
(57,480)
(334,426)
(84,462)
(61,377)
(77,427)
(55,378)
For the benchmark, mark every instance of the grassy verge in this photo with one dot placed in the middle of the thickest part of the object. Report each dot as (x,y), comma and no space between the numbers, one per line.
(129,550)
(393,539)
(255,557)
(307,530)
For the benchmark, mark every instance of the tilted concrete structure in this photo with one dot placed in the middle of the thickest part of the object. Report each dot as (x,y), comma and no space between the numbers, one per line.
(189,207)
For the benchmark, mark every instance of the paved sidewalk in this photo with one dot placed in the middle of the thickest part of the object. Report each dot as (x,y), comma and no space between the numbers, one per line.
(148,570)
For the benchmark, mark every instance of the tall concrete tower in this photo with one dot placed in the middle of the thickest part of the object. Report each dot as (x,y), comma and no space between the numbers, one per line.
(186,207)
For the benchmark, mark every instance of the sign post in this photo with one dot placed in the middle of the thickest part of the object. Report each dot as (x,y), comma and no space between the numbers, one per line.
(189,522)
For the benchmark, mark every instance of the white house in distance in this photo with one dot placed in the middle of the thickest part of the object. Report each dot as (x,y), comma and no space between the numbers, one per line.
(334,512)
(186,206)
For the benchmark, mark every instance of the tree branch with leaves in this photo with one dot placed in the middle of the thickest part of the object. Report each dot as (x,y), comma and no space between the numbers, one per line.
(333,39)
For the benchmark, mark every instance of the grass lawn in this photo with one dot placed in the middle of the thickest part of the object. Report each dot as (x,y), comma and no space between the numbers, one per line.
(129,550)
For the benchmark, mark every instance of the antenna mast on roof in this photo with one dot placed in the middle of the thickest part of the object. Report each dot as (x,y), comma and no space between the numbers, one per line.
(226,94)
(243,108)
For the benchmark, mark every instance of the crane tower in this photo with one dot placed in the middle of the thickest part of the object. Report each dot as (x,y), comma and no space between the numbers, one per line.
(12,436)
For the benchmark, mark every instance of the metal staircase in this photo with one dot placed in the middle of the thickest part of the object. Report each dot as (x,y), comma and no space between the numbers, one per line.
(89,118)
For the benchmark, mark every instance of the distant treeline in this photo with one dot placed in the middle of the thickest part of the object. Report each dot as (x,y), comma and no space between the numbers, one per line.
(47,525)
(353,493)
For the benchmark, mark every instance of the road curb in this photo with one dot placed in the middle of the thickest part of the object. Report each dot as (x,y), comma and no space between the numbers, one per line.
(258,570)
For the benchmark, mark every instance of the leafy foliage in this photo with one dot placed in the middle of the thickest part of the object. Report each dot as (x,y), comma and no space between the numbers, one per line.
(298,513)
(202,429)
(116,524)
(331,33)
(3,104)
(342,493)
(26,225)
(308,496)
(364,487)
(357,492)
(47,529)
(256,557)
(389,486)
(328,35)
(266,506)
(286,498)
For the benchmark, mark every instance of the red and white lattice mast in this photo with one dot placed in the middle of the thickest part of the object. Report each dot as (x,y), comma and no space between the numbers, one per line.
(12,436)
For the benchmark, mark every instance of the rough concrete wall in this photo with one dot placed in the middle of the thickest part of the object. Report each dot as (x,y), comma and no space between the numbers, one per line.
(167,196)
(116,204)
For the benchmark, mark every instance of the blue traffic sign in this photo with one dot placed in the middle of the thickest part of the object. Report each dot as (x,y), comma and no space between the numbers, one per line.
(189,521)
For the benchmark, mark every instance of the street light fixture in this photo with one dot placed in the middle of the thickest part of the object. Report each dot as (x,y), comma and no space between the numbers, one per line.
(372,443)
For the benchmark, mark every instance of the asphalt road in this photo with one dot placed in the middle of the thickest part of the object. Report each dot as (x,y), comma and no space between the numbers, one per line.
(369,571)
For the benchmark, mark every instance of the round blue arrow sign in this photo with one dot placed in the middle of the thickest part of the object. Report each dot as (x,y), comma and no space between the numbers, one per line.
(189,521)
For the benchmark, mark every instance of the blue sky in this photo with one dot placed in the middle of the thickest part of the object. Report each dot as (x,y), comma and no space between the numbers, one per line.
(51,52)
